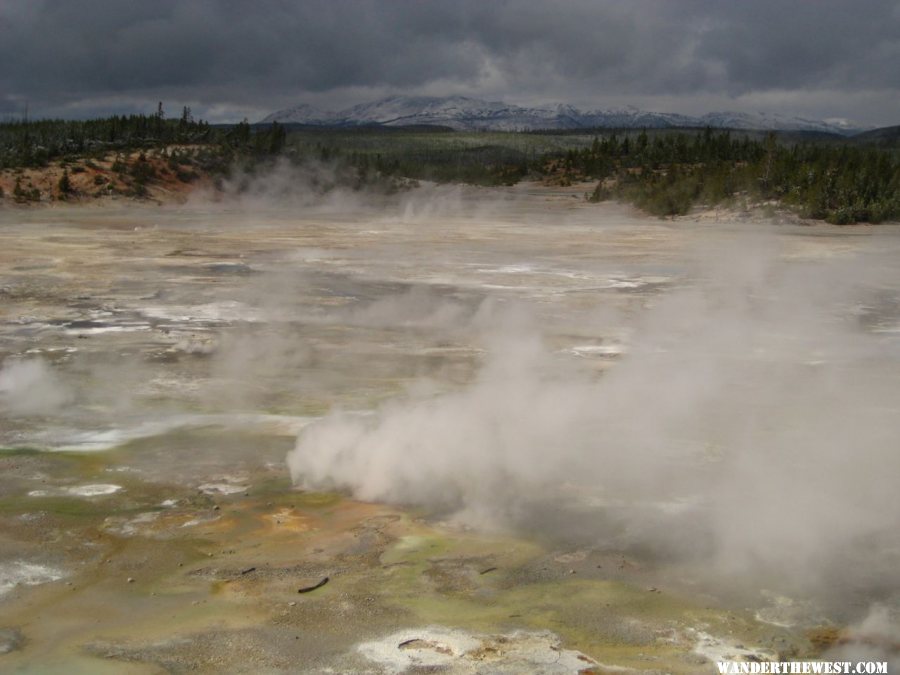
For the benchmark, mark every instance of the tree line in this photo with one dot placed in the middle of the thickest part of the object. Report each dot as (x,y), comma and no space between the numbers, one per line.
(665,172)
(839,183)
(35,143)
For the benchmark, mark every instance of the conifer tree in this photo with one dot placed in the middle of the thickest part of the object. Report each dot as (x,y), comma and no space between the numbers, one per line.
(65,184)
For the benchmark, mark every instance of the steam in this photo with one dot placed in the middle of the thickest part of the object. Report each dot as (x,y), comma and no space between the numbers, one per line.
(29,387)
(875,638)
(418,307)
(752,423)
(318,186)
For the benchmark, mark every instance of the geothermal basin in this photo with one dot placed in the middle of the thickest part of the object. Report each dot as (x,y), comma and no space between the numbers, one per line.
(454,430)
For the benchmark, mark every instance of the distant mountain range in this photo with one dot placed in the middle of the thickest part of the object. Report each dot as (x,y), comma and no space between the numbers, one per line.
(470,114)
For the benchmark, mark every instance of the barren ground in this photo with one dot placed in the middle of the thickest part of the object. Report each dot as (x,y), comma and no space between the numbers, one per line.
(188,346)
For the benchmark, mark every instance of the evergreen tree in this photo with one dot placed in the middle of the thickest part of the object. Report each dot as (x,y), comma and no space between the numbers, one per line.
(65,184)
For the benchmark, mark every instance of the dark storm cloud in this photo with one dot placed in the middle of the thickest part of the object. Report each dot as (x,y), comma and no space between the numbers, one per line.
(771,43)
(229,56)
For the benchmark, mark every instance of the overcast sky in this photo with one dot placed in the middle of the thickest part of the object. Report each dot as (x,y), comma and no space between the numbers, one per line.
(229,59)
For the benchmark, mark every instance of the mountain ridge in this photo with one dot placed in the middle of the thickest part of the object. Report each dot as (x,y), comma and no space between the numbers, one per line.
(463,113)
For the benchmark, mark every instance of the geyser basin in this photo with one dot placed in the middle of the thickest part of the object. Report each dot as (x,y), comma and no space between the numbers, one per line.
(637,441)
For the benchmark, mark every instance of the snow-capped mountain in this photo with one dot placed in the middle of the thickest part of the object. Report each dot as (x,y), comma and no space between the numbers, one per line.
(403,110)
(302,114)
(468,114)
(761,120)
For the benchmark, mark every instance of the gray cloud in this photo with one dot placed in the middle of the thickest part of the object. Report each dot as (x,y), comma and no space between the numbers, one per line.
(229,58)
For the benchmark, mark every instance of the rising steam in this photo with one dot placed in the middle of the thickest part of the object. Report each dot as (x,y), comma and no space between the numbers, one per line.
(30,387)
(752,423)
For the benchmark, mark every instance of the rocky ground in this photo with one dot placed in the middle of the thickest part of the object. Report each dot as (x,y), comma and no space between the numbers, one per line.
(161,176)
(249,575)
